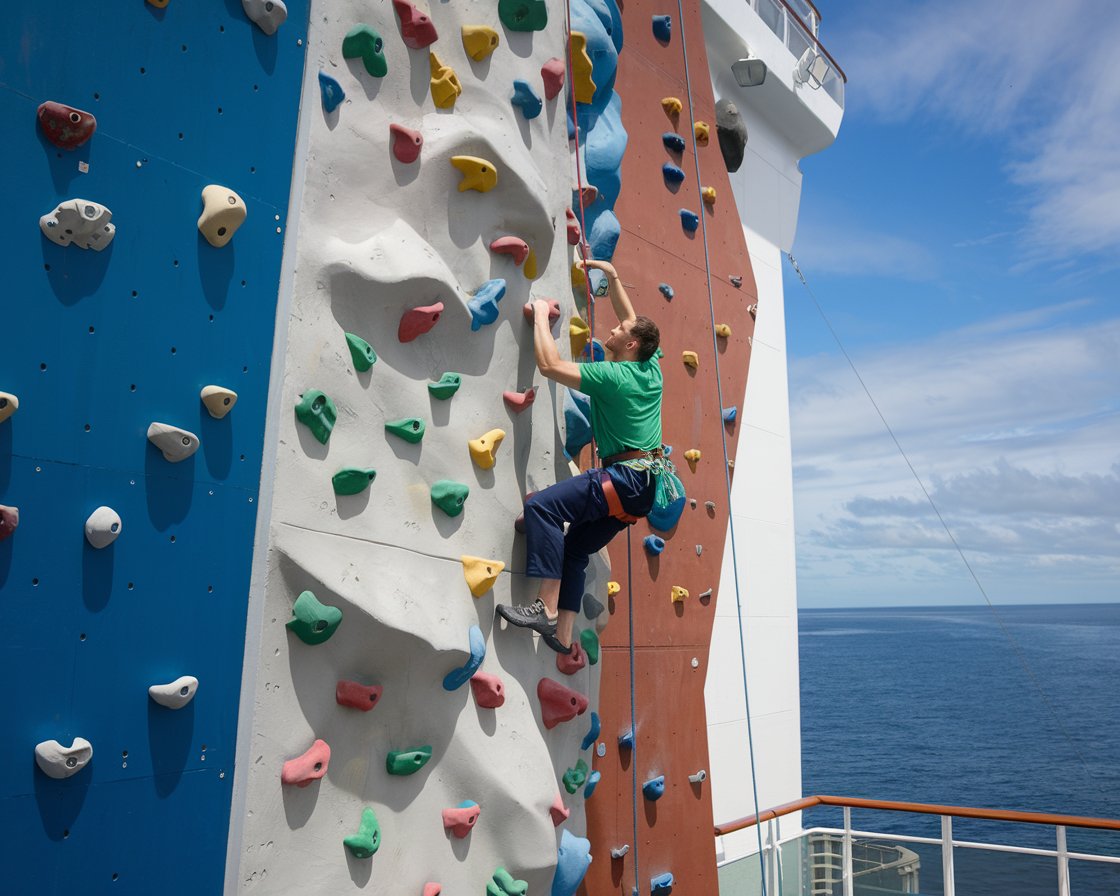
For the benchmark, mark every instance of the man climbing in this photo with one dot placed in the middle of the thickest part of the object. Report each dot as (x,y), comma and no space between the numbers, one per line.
(625,392)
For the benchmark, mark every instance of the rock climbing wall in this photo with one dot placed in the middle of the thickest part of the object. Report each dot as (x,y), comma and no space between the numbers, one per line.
(401,741)
(111,326)
(656,803)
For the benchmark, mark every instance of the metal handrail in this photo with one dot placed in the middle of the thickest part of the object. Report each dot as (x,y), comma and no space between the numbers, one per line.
(1073,821)
(792,13)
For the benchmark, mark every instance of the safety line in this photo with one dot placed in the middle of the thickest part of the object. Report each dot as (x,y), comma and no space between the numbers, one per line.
(944,525)
(723,441)
(633,708)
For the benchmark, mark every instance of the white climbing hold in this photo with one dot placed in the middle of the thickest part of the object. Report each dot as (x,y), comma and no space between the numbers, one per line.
(103,527)
(9,404)
(268,14)
(699,778)
(81,222)
(57,761)
(175,694)
(219,401)
(223,211)
(176,444)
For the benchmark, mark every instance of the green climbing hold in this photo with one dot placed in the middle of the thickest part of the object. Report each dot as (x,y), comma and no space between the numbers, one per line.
(575,778)
(449,496)
(411,429)
(363,41)
(447,386)
(523,15)
(364,843)
(352,480)
(590,643)
(505,884)
(317,412)
(406,762)
(361,351)
(312,621)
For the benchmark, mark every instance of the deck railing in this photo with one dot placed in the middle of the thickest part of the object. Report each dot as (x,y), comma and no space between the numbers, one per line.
(798,31)
(772,840)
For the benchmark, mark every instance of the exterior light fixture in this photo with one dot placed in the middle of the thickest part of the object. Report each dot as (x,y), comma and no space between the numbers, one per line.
(749,72)
(811,68)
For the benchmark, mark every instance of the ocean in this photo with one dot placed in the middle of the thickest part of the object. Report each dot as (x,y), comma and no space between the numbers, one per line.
(1017,709)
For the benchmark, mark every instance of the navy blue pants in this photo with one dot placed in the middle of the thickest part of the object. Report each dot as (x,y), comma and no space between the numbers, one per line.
(550,554)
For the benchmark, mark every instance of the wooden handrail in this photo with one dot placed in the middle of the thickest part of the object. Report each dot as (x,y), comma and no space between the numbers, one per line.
(793,14)
(1072,821)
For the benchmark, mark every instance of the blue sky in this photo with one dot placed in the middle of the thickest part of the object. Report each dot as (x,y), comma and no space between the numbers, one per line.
(963,236)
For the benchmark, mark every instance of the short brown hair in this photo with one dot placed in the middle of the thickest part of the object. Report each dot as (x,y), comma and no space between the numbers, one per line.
(649,337)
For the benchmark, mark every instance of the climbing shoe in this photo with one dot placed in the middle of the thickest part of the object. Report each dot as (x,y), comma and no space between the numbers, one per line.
(534,617)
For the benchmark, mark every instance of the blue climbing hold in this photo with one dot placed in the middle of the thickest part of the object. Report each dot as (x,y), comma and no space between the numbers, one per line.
(729,414)
(689,220)
(626,741)
(604,235)
(653,789)
(653,544)
(456,678)
(484,304)
(331,91)
(526,99)
(673,142)
(572,861)
(593,351)
(662,885)
(577,421)
(666,290)
(663,28)
(591,735)
(672,174)
(592,781)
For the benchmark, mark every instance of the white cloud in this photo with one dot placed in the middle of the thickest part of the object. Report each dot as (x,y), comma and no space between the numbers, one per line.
(841,247)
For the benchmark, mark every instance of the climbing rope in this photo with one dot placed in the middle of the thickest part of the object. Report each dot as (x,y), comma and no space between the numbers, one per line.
(726,467)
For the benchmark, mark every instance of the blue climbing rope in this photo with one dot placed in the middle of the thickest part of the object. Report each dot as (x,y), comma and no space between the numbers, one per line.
(726,468)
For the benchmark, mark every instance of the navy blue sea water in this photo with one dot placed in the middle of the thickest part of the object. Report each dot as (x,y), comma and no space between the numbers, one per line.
(1018,709)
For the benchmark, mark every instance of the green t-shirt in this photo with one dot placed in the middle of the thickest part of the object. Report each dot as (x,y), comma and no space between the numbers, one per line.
(625,404)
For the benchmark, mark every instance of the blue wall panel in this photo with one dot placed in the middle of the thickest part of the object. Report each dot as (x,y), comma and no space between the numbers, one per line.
(97,346)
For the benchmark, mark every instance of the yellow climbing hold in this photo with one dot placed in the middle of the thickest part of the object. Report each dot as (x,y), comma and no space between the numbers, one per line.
(700,129)
(445,83)
(672,106)
(480,573)
(723,331)
(579,278)
(478,174)
(613,588)
(691,359)
(692,455)
(485,447)
(530,268)
(708,194)
(679,594)
(582,83)
(479,41)
(579,334)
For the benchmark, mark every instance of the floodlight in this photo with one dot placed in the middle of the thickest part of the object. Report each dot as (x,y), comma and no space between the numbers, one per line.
(749,72)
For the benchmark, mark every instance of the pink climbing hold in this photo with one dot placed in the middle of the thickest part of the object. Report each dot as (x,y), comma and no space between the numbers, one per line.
(519,401)
(417,29)
(311,766)
(574,232)
(356,695)
(588,195)
(553,311)
(572,662)
(432,890)
(559,811)
(552,73)
(406,143)
(488,690)
(461,819)
(558,703)
(417,321)
(511,245)
(9,521)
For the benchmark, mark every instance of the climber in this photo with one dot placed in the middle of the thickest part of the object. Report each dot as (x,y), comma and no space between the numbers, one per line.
(625,392)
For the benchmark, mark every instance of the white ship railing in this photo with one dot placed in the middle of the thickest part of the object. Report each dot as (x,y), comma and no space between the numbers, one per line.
(796,23)
(821,881)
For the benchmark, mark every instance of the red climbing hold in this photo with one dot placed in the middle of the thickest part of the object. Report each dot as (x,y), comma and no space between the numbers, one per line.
(552,73)
(461,819)
(9,521)
(356,695)
(417,321)
(519,401)
(558,703)
(571,663)
(574,233)
(311,766)
(432,890)
(406,143)
(553,311)
(511,245)
(559,811)
(417,29)
(65,126)
(488,690)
